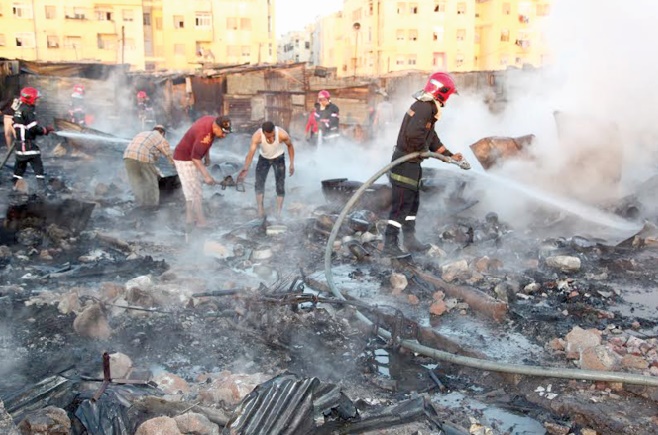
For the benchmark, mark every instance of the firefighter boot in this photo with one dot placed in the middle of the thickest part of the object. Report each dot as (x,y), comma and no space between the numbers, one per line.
(412,244)
(392,245)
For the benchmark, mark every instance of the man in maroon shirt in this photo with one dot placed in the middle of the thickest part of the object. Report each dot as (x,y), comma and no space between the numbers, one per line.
(192,148)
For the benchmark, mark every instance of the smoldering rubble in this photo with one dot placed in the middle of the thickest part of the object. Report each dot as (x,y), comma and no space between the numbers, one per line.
(120,322)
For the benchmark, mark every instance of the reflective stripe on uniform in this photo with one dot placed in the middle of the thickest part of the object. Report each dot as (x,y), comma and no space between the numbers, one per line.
(405,180)
(410,218)
(395,224)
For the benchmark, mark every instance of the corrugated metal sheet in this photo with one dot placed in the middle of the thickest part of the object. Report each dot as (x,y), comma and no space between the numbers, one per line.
(282,406)
(208,94)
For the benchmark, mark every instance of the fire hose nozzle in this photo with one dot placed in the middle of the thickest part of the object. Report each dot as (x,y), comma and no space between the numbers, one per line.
(462,165)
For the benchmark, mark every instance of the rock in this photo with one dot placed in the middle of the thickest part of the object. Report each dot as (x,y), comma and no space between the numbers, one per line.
(171,384)
(398,282)
(564,263)
(159,426)
(70,303)
(579,339)
(47,421)
(452,271)
(413,300)
(634,362)
(120,366)
(92,323)
(229,388)
(6,423)
(438,308)
(599,358)
(531,288)
(197,424)
(110,291)
(556,429)
(142,282)
(436,252)
(556,344)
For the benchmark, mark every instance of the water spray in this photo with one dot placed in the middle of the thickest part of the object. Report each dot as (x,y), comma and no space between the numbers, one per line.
(91,137)
(414,346)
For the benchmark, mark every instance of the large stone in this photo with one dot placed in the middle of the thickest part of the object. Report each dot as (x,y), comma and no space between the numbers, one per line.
(452,271)
(142,282)
(6,423)
(599,358)
(171,384)
(92,323)
(196,424)
(46,421)
(120,366)
(564,263)
(229,388)
(159,426)
(398,282)
(579,339)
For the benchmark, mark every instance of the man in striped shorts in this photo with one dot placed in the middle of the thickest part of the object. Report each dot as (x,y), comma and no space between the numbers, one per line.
(191,157)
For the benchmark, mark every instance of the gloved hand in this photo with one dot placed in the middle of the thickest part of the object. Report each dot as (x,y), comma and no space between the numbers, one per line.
(49,129)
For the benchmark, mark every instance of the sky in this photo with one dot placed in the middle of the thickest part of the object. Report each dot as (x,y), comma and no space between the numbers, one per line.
(295,14)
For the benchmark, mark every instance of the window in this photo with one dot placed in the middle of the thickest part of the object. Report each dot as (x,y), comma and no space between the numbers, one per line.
(440,7)
(106,41)
(158,23)
(400,60)
(202,20)
(74,42)
(179,22)
(233,50)
(461,34)
(413,35)
(24,39)
(507,9)
(477,37)
(307,45)
(269,25)
(411,60)
(3,42)
(76,14)
(179,49)
(245,23)
(104,15)
(437,34)
(504,35)
(504,60)
(128,15)
(356,15)
(146,19)
(52,41)
(461,8)
(413,8)
(231,23)
(246,51)
(518,60)
(399,35)
(459,60)
(51,12)
(22,10)
(401,8)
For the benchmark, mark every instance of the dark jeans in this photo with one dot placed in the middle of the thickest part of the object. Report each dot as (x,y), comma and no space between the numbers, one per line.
(20,166)
(263,167)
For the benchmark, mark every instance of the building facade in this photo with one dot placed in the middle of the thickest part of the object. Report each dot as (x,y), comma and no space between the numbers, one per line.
(378,37)
(147,34)
(296,46)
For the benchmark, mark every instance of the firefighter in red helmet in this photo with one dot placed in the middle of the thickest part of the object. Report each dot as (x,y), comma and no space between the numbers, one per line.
(416,134)
(77,110)
(327,117)
(27,129)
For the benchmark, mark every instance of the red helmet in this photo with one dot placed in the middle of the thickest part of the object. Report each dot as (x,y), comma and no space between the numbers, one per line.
(78,91)
(441,86)
(141,95)
(324,94)
(29,96)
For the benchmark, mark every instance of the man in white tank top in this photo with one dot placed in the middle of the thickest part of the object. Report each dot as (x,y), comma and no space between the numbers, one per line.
(272,142)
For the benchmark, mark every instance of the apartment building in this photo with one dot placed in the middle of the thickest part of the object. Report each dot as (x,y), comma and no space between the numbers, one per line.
(147,34)
(296,46)
(377,37)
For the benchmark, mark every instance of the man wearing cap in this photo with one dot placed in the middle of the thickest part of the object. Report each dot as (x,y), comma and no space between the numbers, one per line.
(188,155)
(140,158)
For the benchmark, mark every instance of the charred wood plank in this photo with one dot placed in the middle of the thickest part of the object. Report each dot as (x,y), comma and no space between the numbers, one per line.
(476,299)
